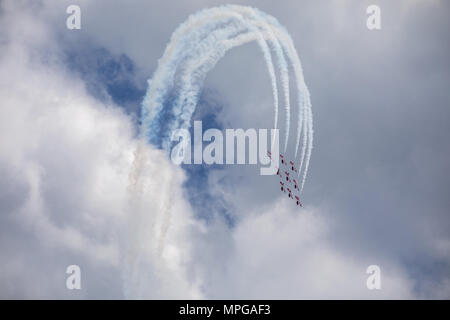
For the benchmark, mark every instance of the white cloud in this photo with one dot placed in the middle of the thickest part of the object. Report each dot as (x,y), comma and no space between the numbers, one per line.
(73,156)
(282,252)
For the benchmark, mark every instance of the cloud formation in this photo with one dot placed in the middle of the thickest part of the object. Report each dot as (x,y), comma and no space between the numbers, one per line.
(67,159)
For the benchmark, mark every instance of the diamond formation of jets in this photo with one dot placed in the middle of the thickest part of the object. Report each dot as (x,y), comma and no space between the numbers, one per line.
(286,181)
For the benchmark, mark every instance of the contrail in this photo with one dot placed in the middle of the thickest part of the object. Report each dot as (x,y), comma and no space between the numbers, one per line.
(304,101)
(281,61)
(310,145)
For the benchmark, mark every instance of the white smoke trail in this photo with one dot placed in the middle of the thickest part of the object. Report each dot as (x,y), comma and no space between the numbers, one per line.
(310,145)
(166,214)
(209,32)
(194,49)
(305,140)
(208,61)
(135,193)
(304,101)
(281,61)
(153,182)
(183,111)
(158,83)
(177,47)
(194,78)
(170,59)
(195,21)
(304,114)
(270,27)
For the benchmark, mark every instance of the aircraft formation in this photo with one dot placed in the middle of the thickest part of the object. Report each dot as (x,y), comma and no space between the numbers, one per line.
(286,180)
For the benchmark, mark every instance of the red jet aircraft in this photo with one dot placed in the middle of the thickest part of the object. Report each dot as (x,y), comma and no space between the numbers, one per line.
(298,201)
(288,179)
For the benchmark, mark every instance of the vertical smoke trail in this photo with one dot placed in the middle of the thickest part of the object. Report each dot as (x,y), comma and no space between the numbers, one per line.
(281,61)
(305,114)
(310,145)
(303,93)
(187,79)
(195,22)
(135,193)
(147,230)
(166,217)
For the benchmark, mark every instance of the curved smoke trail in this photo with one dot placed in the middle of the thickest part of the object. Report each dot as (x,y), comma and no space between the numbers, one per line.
(195,70)
(195,48)
(182,44)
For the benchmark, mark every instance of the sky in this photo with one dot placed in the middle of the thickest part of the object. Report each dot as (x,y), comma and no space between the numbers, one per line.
(77,187)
